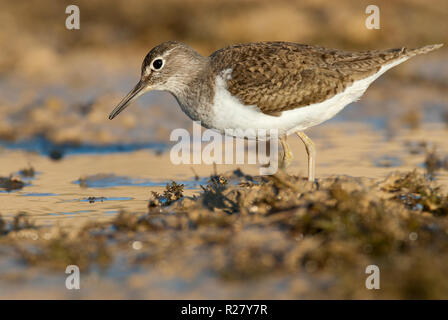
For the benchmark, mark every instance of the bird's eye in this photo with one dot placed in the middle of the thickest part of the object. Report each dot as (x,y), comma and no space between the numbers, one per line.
(157,64)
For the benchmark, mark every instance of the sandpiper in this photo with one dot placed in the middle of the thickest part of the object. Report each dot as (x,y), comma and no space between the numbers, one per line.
(267,85)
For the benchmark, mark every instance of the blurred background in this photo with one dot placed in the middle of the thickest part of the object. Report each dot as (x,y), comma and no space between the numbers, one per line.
(60,84)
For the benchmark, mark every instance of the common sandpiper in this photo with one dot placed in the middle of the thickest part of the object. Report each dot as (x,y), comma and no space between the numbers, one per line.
(285,86)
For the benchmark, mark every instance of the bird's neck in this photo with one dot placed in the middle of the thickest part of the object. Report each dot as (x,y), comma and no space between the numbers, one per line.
(195,93)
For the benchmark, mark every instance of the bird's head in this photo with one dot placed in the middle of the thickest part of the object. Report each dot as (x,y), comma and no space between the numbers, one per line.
(170,66)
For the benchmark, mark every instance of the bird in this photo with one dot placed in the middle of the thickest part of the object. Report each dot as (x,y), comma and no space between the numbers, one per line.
(285,86)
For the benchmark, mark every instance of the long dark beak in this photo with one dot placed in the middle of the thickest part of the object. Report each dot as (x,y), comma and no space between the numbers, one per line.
(138,90)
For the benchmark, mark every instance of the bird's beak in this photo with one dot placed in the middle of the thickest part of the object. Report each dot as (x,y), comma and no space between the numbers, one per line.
(138,90)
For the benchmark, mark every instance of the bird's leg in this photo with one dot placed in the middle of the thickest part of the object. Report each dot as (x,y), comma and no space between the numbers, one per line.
(287,154)
(309,145)
(268,154)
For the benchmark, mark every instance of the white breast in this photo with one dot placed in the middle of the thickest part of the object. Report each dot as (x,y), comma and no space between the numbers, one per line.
(230,113)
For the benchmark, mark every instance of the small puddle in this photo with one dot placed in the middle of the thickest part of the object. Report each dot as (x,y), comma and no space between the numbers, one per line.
(111,180)
(69,212)
(37,194)
(387,162)
(102,199)
(111,211)
(56,151)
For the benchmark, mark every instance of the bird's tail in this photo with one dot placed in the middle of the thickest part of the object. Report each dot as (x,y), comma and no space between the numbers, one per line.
(416,51)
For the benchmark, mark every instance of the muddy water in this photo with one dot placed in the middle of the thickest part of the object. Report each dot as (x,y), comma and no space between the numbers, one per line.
(85,187)
(95,187)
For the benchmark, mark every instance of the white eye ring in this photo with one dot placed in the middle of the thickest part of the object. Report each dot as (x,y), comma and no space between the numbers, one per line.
(157,63)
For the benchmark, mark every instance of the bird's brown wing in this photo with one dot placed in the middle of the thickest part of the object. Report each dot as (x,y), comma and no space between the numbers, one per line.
(279,76)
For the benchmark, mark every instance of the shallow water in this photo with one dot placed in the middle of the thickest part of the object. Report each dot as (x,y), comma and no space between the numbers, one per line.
(46,147)
(89,186)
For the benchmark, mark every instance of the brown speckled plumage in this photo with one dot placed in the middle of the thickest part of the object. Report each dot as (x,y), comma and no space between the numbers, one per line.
(280,76)
(273,76)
